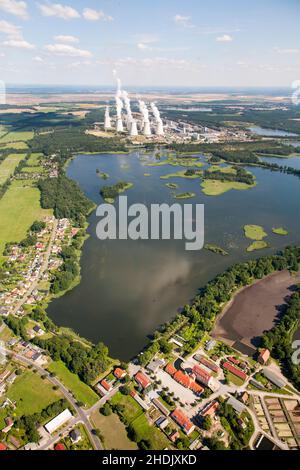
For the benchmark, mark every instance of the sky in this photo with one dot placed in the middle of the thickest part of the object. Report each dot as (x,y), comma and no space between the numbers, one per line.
(150,43)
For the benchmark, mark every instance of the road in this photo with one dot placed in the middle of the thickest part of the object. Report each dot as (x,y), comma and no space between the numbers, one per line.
(82,414)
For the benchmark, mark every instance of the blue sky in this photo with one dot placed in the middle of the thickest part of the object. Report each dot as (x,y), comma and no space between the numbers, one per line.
(151,43)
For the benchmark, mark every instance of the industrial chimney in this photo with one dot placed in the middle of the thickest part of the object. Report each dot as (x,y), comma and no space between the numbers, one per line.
(147,129)
(133,130)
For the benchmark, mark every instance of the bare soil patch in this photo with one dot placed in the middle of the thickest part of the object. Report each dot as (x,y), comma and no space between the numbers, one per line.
(254,310)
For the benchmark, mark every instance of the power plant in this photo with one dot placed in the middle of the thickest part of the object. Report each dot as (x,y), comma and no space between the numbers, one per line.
(133,123)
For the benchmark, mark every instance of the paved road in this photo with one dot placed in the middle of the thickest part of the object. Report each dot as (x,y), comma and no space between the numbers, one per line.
(83,415)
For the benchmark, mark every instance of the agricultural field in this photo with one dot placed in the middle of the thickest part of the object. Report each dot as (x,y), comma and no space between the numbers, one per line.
(14,145)
(82,392)
(16,137)
(19,208)
(8,166)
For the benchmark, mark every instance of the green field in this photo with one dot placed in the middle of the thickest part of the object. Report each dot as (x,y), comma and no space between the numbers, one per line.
(16,137)
(255,232)
(19,208)
(81,391)
(217,187)
(32,169)
(34,159)
(31,394)
(113,431)
(158,440)
(132,408)
(7,167)
(14,145)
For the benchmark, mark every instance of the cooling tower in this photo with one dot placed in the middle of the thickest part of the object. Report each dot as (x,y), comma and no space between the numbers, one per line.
(119,125)
(147,129)
(133,130)
(160,128)
(107,122)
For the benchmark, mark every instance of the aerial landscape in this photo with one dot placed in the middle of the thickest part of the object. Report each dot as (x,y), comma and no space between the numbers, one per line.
(149,226)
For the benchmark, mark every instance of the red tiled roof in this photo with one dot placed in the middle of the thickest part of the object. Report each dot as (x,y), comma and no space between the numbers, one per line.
(119,373)
(2,446)
(59,446)
(210,409)
(106,385)
(142,379)
(182,420)
(182,378)
(196,388)
(233,360)
(235,371)
(211,365)
(201,374)
(264,355)
(170,369)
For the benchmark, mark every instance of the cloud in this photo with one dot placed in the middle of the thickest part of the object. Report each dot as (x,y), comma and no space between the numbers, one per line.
(224,38)
(18,43)
(66,39)
(288,51)
(14,36)
(60,11)
(14,7)
(10,29)
(93,15)
(67,50)
(144,47)
(184,21)
(38,59)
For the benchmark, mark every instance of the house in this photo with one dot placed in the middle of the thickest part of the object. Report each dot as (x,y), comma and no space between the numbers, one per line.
(275,379)
(174,436)
(2,446)
(154,366)
(75,436)
(142,380)
(196,388)
(182,378)
(4,312)
(205,362)
(59,446)
(106,385)
(236,405)
(209,345)
(170,369)
(160,406)
(162,422)
(210,409)
(244,397)
(183,421)
(264,356)
(202,376)
(234,370)
(119,373)
(10,380)
(38,330)
(8,424)
(58,421)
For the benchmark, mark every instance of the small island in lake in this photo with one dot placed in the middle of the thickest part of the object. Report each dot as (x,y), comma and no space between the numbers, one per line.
(215,249)
(280,231)
(255,232)
(172,185)
(257,245)
(187,195)
(109,193)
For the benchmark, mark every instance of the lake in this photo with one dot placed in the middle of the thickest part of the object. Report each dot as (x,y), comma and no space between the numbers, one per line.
(128,288)
(262,131)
